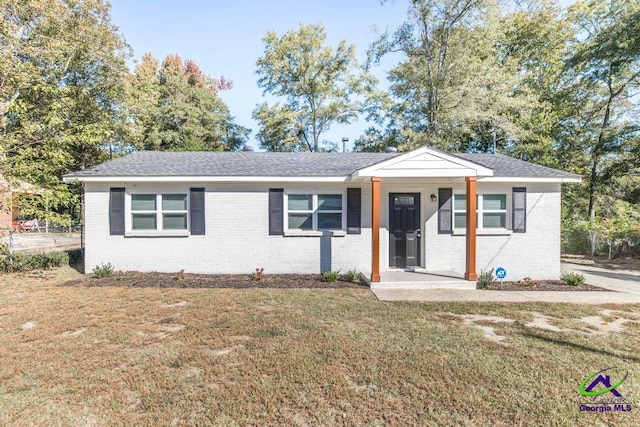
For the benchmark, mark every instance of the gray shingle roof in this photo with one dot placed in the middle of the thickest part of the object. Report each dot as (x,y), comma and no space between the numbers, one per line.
(158,163)
(504,166)
(239,164)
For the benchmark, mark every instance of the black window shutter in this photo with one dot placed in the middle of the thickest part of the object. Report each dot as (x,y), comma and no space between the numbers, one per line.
(276,212)
(116,211)
(519,210)
(445,210)
(197,214)
(354,208)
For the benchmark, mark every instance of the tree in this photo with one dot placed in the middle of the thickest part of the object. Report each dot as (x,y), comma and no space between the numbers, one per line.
(177,107)
(62,88)
(320,85)
(453,89)
(605,78)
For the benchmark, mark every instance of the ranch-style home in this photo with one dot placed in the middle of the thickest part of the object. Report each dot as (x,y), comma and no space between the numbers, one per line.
(426,211)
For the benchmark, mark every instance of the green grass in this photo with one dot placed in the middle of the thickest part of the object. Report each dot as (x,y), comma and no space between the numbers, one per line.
(291,357)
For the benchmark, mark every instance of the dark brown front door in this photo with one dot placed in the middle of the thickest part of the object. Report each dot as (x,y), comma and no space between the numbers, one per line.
(404,229)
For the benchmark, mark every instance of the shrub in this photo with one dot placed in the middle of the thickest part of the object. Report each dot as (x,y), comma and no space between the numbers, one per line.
(258,274)
(573,279)
(331,276)
(103,270)
(485,279)
(24,261)
(353,276)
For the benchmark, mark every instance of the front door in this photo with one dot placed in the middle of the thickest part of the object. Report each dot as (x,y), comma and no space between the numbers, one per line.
(404,229)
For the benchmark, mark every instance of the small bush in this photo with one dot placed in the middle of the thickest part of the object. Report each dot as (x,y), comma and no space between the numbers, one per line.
(573,279)
(258,274)
(24,261)
(485,279)
(331,276)
(181,275)
(353,276)
(103,270)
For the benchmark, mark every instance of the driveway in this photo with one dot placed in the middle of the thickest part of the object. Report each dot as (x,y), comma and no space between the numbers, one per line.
(627,281)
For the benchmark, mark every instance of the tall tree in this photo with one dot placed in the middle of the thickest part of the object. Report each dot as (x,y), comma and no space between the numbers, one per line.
(605,80)
(177,107)
(453,89)
(321,86)
(62,87)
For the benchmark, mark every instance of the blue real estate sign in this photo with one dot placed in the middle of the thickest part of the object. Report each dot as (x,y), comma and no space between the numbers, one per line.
(501,273)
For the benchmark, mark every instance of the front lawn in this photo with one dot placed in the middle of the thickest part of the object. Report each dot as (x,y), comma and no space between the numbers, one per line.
(75,355)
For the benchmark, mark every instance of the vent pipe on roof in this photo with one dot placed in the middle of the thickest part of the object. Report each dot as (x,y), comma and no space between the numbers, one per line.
(391,150)
(344,144)
(247,148)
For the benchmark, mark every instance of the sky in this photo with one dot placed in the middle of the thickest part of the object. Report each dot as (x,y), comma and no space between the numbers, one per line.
(225,38)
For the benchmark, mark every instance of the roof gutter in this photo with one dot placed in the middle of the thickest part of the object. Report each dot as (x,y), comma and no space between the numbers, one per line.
(231,179)
(516,179)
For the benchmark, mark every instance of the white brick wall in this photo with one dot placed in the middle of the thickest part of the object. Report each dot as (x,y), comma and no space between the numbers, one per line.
(237,239)
(534,254)
(237,236)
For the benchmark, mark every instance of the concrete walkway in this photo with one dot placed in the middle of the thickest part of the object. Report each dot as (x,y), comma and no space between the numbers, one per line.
(624,283)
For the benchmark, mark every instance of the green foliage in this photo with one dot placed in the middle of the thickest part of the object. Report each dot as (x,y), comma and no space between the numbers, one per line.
(26,261)
(573,279)
(331,276)
(353,276)
(455,88)
(485,278)
(103,270)
(62,91)
(176,107)
(320,84)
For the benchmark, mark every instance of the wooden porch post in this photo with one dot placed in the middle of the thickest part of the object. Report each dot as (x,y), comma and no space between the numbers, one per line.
(471,274)
(375,229)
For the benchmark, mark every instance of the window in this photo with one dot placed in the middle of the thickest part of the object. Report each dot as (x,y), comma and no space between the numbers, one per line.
(491,211)
(494,211)
(460,211)
(158,212)
(314,211)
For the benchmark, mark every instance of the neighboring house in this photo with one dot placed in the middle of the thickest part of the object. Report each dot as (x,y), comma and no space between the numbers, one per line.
(233,212)
(10,193)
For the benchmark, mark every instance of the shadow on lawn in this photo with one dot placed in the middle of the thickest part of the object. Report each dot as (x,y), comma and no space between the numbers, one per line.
(565,343)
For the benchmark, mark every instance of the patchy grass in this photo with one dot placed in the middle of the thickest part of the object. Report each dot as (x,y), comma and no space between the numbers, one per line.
(179,356)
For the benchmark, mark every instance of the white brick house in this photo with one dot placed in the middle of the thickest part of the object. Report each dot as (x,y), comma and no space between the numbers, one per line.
(310,212)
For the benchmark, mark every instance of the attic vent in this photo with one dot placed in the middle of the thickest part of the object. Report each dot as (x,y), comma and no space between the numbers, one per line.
(247,148)
(391,150)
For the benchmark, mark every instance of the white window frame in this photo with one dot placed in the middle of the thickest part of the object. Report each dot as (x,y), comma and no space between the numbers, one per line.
(159,212)
(314,210)
(480,211)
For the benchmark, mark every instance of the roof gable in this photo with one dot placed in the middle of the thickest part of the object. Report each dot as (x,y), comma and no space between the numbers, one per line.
(424,162)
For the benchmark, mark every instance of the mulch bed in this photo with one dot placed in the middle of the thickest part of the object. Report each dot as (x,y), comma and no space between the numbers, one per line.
(541,285)
(237,281)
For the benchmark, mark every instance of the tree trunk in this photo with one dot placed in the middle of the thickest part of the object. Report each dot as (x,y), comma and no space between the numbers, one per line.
(592,242)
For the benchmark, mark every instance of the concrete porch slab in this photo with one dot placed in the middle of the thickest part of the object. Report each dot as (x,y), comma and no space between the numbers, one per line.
(420,279)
